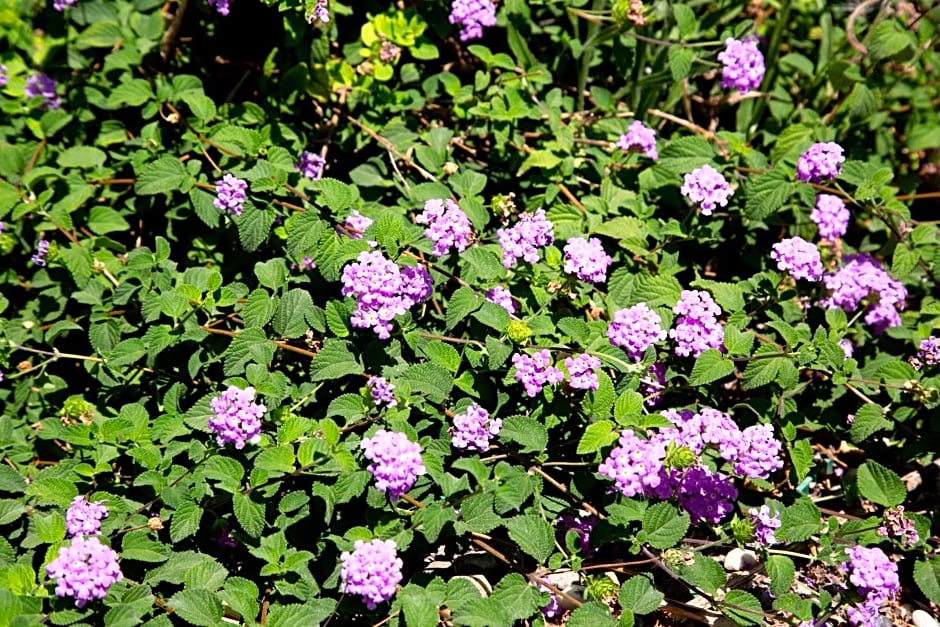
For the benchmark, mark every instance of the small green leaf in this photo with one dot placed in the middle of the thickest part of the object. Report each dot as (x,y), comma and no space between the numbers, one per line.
(597,436)
(710,366)
(591,614)
(663,526)
(869,419)
(880,484)
(680,62)
(335,361)
(638,595)
(799,521)
(927,576)
(781,570)
(197,607)
(462,303)
(534,536)
(185,521)
(250,514)
(526,431)
(743,608)
(164,175)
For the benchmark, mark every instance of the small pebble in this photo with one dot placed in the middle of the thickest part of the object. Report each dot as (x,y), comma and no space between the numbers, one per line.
(739,559)
(920,618)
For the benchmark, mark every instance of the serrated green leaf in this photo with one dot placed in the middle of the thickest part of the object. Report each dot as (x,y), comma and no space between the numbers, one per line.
(335,361)
(430,380)
(591,614)
(927,576)
(869,420)
(335,195)
(533,535)
(197,607)
(766,194)
(768,365)
(638,595)
(164,175)
(185,521)
(462,303)
(743,608)
(597,436)
(663,525)
(293,310)
(880,484)
(781,570)
(680,62)
(253,226)
(710,366)
(528,432)
(249,513)
(476,514)
(799,521)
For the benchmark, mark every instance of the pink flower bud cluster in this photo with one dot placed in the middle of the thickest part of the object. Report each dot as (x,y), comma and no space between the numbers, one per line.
(798,257)
(862,278)
(536,371)
(641,137)
(524,238)
(831,216)
(706,188)
(582,371)
(820,163)
(230,195)
(742,65)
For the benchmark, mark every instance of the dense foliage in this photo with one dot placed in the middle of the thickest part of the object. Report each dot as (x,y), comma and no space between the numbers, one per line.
(419,313)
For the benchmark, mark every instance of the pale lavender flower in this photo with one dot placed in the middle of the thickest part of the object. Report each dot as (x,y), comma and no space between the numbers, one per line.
(396,462)
(472,16)
(831,216)
(742,65)
(4,78)
(83,518)
(895,525)
(221,6)
(39,257)
(875,577)
(635,330)
(372,571)
(582,371)
(766,522)
(798,257)
(863,278)
(84,570)
(320,13)
(41,84)
(311,164)
(653,385)
(356,224)
(929,351)
(448,226)
(524,239)
(536,372)
(820,163)
(230,194)
(236,418)
(639,136)
(474,428)
(501,296)
(586,259)
(697,329)
(634,465)
(382,290)
(706,188)
(62,5)
(382,391)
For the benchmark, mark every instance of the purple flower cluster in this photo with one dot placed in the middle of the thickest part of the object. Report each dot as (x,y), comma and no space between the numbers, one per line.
(4,78)
(928,353)
(84,570)
(583,525)
(697,328)
(41,84)
(757,453)
(372,571)
(536,371)
(39,257)
(524,239)
(501,296)
(639,136)
(311,164)
(742,65)
(396,462)
(221,6)
(707,496)
(230,195)
(582,373)
(831,216)
(236,418)
(474,428)
(383,392)
(382,290)
(707,188)
(635,330)
(357,223)
(875,577)
(83,518)
(635,465)
(766,522)
(820,163)
(586,259)
(320,13)
(448,226)
(798,257)
(472,16)
(862,277)
(62,5)
(895,525)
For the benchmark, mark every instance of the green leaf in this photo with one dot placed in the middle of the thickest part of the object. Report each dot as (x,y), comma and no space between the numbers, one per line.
(442,354)
(418,607)
(250,515)
(869,419)
(638,595)
(528,432)
(476,514)
(229,472)
(597,436)
(799,521)
(164,175)
(462,303)
(743,608)
(534,536)
(591,614)
(197,607)
(663,526)
(685,20)
(293,311)
(335,195)
(766,194)
(768,365)
(680,62)
(253,226)
(82,157)
(100,35)
(431,380)
(541,159)
(887,39)
(334,361)
(514,593)
(801,453)
(242,596)
(781,570)
(185,521)
(258,309)
(880,484)
(249,345)
(710,366)
(791,143)
(705,573)
(927,576)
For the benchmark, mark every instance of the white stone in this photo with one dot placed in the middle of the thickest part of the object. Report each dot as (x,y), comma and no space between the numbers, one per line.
(740,559)
(920,618)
